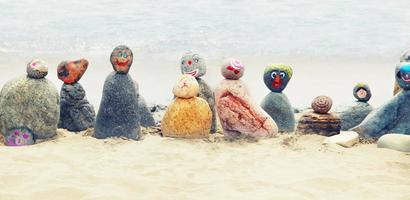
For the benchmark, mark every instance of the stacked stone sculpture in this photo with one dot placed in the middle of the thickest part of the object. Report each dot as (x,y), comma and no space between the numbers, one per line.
(239,114)
(30,107)
(276,104)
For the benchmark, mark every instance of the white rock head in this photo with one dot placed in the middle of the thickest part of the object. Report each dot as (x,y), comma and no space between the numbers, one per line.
(186,87)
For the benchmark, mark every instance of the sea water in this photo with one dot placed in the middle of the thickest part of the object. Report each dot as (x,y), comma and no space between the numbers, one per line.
(332,43)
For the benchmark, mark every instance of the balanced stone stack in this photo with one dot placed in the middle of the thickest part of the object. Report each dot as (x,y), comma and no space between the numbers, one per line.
(276,103)
(394,115)
(194,64)
(76,113)
(239,114)
(118,113)
(188,116)
(29,107)
(353,115)
(320,121)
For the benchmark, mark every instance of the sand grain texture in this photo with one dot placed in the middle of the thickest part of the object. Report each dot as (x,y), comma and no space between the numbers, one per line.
(286,167)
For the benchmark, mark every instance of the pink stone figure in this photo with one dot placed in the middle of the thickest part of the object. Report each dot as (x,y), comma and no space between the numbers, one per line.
(239,114)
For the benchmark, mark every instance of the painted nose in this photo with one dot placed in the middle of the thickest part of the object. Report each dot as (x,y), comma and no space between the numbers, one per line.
(189,62)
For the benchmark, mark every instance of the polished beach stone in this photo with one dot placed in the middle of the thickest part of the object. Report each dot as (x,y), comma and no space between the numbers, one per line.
(346,139)
(398,142)
(31,105)
(193,63)
(188,116)
(239,114)
(276,104)
(393,116)
(71,71)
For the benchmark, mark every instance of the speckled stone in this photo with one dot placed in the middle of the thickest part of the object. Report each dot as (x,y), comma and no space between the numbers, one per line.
(146,118)
(37,69)
(276,104)
(205,92)
(30,104)
(145,115)
(76,113)
(321,124)
(187,116)
(239,114)
(393,116)
(398,142)
(118,113)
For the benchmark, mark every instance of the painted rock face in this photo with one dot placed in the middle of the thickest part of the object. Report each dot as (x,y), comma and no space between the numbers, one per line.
(192,63)
(186,87)
(19,137)
(405,57)
(322,104)
(121,59)
(232,69)
(362,92)
(37,69)
(403,75)
(277,76)
(71,71)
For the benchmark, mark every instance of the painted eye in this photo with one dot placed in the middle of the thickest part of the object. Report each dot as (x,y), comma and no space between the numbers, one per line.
(124,55)
(196,60)
(282,74)
(182,62)
(273,75)
(119,54)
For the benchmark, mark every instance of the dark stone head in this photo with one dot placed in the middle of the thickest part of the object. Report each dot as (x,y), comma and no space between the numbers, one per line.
(232,69)
(403,75)
(277,77)
(193,64)
(121,59)
(73,92)
(71,71)
(362,92)
(405,56)
(37,69)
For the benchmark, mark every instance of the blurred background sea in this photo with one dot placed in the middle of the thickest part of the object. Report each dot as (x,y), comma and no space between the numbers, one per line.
(332,44)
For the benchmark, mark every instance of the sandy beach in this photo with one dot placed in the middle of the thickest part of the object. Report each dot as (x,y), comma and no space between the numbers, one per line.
(78,166)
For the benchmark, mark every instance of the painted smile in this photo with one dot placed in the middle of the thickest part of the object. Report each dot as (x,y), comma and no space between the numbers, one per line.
(122,64)
(193,72)
(405,77)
